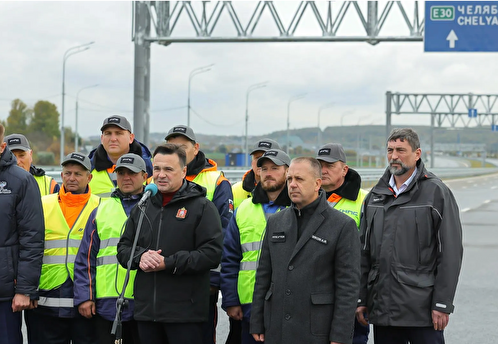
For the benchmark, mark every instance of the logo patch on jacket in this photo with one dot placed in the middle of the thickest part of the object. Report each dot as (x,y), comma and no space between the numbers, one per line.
(378,198)
(320,240)
(181,213)
(3,190)
(230,206)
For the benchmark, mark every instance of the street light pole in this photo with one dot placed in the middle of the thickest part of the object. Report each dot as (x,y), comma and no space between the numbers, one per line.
(291,99)
(318,137)
(69,52)
(76,118)
(249,90)
(191,75)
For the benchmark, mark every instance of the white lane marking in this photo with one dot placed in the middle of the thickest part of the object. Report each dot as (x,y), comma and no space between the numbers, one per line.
(494,187)
(465,210)
(486,201)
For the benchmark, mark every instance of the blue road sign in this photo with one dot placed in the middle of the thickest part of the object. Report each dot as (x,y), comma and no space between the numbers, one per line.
(472,113)
(494,127)
(461,26)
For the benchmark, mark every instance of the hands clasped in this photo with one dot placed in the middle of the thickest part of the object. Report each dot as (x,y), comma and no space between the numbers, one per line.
(152,261)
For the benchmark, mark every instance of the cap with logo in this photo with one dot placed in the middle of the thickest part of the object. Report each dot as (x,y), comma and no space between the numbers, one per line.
(181,130)
(277,156)
(78,158)
(131,161)
(264,145)
(17,141)
(331,152)
(118,121)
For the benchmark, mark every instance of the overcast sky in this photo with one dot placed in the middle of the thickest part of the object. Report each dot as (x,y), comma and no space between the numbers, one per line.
(355,76)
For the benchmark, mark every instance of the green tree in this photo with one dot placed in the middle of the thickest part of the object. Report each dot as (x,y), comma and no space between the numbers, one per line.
(19,117)
(45,119)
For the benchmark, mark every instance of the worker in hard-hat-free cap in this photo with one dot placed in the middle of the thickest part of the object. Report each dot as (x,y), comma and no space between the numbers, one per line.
(66,215)
(116,140)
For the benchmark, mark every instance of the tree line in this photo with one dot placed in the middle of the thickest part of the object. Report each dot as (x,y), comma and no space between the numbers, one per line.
(40,124)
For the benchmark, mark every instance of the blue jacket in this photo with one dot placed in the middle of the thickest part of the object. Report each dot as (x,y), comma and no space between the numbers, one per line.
(86,261)
(22,232)
(232,250)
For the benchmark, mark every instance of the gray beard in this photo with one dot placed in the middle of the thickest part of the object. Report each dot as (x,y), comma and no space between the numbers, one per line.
(398,172)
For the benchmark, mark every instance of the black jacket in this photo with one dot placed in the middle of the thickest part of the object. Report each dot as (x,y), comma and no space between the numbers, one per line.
(188,231)
(411,251)
(22,231)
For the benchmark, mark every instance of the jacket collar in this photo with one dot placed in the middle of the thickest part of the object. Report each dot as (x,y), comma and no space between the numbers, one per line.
(199,164)
(7,158)
(351,186)
(249,181)
(260,196)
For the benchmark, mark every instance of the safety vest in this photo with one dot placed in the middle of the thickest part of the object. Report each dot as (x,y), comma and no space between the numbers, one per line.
(209,180)
(251,220)
(102,183)
(61,242)
(110,220)
(349,207)
(45,184)
(239,194)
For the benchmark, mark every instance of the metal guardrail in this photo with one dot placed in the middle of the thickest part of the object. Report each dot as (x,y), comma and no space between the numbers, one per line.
(368,175)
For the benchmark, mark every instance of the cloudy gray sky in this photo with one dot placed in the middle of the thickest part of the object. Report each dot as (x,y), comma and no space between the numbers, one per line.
(355,76)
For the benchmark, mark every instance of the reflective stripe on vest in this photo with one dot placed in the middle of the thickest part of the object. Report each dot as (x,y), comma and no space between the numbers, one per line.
(55,302)
(351,208)
(239,194)
(102,183)
(251,221)
(110,219)
(44,183)
(61,242)
(209,180)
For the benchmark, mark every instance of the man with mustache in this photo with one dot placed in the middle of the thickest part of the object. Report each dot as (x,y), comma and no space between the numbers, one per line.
(244,234)
(411,249)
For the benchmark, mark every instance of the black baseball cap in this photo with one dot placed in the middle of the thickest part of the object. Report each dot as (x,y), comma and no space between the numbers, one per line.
(277,156)
(331,152)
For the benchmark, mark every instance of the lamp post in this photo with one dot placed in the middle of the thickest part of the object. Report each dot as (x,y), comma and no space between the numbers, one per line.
(76,117)
(291,99)
(249,90)
(191,75)
(319,134)
(69,52)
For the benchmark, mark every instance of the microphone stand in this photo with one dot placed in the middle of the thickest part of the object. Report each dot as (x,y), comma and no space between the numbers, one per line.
(117,326)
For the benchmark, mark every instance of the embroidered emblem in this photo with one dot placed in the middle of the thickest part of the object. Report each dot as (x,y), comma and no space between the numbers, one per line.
(181,213)
(3,184)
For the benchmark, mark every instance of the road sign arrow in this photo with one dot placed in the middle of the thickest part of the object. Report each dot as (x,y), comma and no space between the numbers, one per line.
(452,37)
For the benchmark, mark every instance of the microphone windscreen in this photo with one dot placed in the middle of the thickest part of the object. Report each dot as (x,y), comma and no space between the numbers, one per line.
(152,188)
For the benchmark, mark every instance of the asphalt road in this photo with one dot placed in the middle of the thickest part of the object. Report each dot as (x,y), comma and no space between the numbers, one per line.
(476,301)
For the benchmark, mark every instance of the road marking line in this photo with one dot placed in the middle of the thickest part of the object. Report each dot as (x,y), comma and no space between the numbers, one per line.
(486,201)
(465,210)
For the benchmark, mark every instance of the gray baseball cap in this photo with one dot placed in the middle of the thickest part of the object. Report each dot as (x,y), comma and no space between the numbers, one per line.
(264,145)
(118,121)
(277,156)
(181,130)
(17,141)
(331,152)
(78,158)
(131,161)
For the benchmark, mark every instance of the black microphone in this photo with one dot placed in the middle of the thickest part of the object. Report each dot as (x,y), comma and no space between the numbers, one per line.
(150,190)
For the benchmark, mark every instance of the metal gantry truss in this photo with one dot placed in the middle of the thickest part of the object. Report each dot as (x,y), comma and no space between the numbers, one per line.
(158,21)
(165,16)
(446,110)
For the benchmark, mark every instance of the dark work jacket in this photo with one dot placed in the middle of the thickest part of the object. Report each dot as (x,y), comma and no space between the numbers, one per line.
(306,289)
(188,231)
(411,251)
(22,231)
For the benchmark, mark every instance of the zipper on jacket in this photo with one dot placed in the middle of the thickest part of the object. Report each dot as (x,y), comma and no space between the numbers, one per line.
(418,239)
(157,247)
